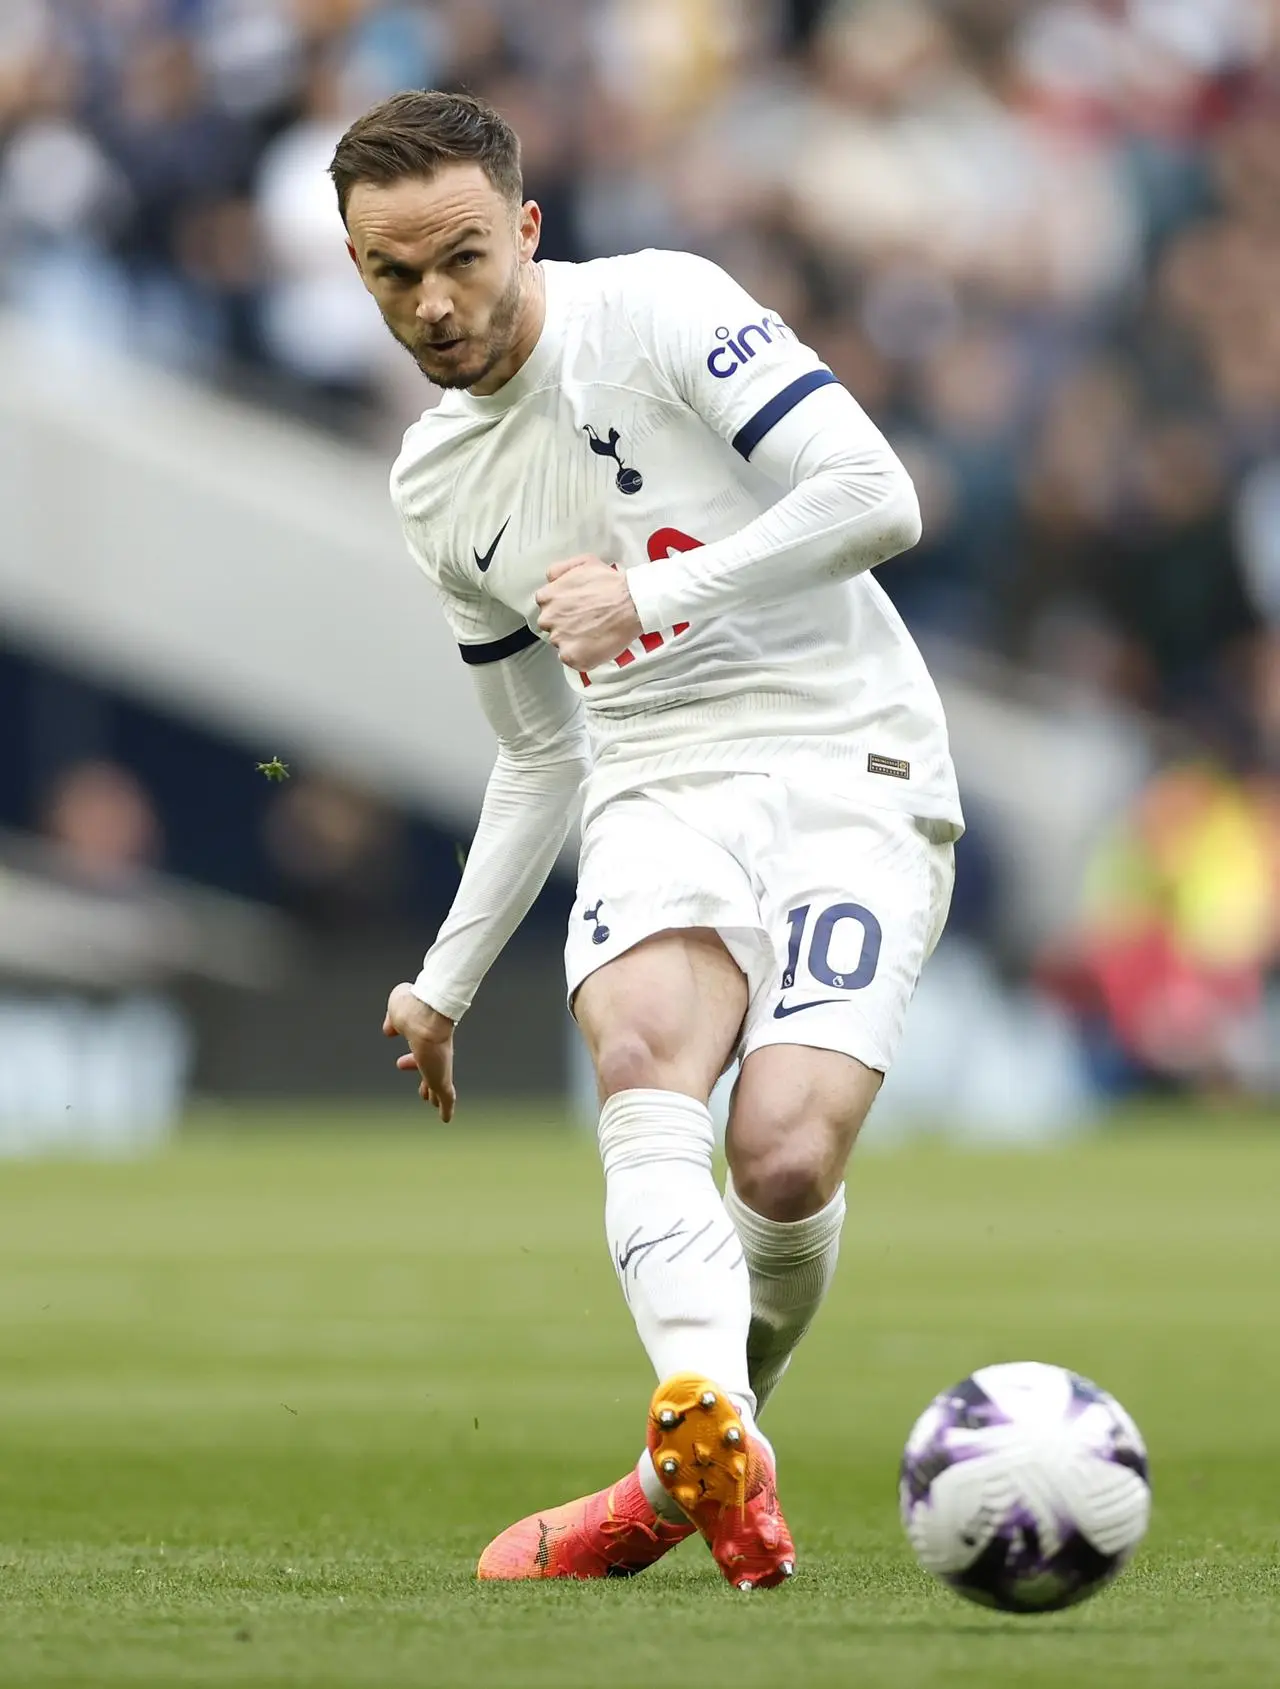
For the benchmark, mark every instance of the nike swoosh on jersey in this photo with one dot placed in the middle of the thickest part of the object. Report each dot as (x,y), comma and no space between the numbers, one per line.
(482,563)
(785,1009)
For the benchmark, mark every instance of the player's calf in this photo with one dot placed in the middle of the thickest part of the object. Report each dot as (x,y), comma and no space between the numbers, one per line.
(795,1115)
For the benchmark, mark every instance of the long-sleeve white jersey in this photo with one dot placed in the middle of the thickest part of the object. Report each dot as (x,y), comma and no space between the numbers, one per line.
(668,423)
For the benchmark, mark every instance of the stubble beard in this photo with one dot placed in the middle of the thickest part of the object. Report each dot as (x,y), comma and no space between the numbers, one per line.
(495,346)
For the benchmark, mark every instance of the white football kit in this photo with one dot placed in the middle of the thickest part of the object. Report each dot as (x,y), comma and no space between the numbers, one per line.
(770,757)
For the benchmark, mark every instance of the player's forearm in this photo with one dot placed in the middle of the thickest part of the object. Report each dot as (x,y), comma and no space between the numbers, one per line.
(845,518)
(526,816)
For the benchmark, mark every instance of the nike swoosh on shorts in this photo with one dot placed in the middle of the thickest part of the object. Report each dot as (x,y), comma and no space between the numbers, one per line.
(785,1009)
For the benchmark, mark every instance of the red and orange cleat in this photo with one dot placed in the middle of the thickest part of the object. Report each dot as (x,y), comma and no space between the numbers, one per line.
(612,1534)
(723,1478)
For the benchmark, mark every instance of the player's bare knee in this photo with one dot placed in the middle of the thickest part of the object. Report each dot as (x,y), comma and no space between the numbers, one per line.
(788,1180)
(787,1162)
(630,1059)
(795,1117)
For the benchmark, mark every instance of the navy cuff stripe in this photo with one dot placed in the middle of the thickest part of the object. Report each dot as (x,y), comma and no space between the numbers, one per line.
(496,649)
(768,416)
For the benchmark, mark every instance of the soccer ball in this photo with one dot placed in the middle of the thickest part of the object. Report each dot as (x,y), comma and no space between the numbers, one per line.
(1025,1487)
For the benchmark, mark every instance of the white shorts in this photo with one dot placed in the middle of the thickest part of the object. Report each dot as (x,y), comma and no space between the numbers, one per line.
(830,908)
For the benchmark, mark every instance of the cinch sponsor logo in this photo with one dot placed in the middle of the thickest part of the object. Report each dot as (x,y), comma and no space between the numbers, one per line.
(740,348)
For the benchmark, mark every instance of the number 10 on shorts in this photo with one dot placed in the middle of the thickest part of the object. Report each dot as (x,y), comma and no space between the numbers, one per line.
(823,931)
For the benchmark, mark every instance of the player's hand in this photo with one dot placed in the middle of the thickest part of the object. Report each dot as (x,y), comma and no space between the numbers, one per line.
(429,1036)
(587,611)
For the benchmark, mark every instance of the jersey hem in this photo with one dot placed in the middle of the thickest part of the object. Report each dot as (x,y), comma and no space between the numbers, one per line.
(797,759)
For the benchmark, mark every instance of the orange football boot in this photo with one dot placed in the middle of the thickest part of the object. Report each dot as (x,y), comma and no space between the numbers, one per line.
(723,1478)
(612,1534)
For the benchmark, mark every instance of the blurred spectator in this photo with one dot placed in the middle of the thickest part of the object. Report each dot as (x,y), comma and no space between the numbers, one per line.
(1128,573)
(1178,591)
(178,155)
(1065,547)
(103,826)
(338,855)
(913,154)
(317,325)
(94,1053)
(1179,928)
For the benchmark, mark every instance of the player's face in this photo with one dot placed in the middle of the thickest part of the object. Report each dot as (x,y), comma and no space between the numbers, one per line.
(450,263)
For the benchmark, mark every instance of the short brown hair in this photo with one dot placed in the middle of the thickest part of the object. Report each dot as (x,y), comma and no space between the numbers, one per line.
(414,134)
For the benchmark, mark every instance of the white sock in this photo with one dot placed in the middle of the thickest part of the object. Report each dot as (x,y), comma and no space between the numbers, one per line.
(675,1250)
(791,1263)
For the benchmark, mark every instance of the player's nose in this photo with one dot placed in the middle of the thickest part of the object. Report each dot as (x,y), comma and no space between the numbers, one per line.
(434,306)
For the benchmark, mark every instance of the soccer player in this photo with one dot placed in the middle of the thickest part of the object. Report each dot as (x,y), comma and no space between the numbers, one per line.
(650,514)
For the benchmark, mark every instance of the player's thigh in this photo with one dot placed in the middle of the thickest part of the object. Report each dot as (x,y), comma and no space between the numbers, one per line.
(665,1015)
(793,1121)
(664,918)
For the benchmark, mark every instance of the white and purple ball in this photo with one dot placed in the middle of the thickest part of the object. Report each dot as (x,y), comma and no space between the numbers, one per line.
(1025,1487)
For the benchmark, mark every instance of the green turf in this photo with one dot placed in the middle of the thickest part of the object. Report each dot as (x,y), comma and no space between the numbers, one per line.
(263,1399)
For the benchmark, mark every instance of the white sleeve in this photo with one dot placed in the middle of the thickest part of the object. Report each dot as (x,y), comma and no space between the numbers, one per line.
(847,502)
(529,805)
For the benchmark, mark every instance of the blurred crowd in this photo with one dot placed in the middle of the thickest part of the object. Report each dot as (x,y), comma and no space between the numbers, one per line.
(324,851)
(1039,239)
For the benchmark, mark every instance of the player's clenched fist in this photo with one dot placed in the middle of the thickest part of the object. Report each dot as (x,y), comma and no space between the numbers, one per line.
(587,612)
(429,1036)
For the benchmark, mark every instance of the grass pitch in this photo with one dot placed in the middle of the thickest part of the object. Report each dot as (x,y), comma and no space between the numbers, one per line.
(264,1398)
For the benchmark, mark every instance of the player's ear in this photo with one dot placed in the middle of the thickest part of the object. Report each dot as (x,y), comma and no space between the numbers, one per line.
(529,228)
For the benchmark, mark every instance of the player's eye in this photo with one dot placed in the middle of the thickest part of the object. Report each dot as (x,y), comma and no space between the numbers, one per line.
(396,273)
(464,260)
